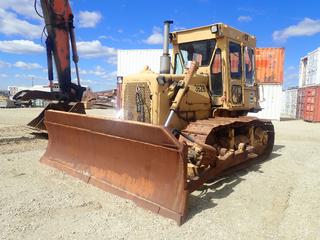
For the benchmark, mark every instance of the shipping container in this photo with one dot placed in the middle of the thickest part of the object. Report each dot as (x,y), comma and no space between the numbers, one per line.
(270,101)
(309,74)
(300,103)
(269,65)
(289,103)
(311,104)
(283,103)
(134,61)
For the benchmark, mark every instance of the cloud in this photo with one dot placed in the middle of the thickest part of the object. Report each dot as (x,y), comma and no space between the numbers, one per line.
(89,19)
(112,60)
(30,77)
(123,40)
(99,72)
(3,75)
(85,81)
(252,10)
(291,68)
(244,19)
(155,38)
(89,49)
(94,49)
(27,66)
(10,24)
(306,27)
(106,37)
(291,79)
(178,28)
(4,64)
(20,64)
(22,7)
(20,47)
(292,76)
(111,76)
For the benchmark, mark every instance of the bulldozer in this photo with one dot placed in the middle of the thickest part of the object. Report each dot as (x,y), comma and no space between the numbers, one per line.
(180,128)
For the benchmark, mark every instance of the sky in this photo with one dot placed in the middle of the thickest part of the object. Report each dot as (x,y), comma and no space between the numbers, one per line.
(102,27)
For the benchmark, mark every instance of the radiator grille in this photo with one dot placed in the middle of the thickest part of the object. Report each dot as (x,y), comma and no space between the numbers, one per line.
(137,102)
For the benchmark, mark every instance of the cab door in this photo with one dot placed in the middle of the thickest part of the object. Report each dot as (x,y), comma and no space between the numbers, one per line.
(236,76)
(216,77)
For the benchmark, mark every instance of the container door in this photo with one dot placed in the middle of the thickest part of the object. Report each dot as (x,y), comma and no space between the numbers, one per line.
(309,106)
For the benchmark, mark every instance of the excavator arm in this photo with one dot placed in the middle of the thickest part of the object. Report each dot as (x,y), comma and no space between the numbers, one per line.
(58,18)
(59,26)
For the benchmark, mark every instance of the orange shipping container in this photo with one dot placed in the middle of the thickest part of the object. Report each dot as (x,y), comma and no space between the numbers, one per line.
(311,105)
(270,65)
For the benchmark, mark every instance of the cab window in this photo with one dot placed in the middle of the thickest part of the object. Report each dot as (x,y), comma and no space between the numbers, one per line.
(200,51)
(249,65)
(178,65)
(235,60)
(216,74)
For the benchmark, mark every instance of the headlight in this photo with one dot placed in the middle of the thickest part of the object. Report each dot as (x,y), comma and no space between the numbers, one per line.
(119,79)
(214,29)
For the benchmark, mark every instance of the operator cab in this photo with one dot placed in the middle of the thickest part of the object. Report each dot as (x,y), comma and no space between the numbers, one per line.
(223,53)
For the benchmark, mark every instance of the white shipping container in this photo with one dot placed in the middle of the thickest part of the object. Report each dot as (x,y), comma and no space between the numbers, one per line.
(270,102)
(310,69)
(283,102)
(134,61)
(290,103)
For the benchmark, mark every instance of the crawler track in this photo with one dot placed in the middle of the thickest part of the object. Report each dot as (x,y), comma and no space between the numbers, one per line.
(236,140)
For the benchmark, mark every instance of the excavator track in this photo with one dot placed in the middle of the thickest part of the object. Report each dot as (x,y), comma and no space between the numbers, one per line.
(236,140)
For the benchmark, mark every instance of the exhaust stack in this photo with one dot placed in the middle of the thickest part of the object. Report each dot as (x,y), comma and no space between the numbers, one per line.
(165,59)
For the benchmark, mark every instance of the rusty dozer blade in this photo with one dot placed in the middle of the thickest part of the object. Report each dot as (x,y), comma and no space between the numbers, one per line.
(75,107)
(138,161)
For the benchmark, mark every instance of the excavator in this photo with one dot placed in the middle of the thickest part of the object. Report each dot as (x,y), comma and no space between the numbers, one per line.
(181,128)
(60,34)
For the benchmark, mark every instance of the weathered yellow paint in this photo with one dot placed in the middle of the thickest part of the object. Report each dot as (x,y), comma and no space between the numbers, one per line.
(197,103)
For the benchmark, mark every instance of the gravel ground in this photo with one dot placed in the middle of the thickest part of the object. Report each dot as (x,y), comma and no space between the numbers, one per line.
(275,199)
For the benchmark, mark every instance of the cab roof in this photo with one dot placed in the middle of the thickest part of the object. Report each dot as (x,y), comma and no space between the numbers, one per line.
(205,32)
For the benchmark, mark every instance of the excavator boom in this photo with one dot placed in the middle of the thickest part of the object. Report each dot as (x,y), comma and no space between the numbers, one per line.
(58,20)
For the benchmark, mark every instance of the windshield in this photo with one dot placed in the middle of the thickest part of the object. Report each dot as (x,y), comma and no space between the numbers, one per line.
(200,51)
